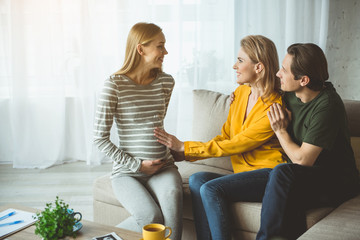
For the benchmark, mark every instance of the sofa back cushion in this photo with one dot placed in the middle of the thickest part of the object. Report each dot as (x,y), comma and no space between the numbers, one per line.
(353,113)
(211,110)
(355,143)
(352,108)
(210,113)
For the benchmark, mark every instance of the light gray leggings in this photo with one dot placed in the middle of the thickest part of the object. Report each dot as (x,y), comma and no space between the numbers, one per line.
(151,199)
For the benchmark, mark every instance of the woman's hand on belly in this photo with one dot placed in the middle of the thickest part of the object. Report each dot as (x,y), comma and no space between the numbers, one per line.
(151,166)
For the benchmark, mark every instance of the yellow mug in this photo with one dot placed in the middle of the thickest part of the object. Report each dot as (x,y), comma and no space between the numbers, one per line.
(155,231)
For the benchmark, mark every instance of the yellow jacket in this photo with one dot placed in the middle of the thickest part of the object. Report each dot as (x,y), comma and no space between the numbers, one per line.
(252,143)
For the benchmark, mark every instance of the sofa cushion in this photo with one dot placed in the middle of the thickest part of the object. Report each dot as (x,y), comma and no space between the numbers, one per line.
(186,169)
(210,111)
(246,215)
(103,192)
(342,223)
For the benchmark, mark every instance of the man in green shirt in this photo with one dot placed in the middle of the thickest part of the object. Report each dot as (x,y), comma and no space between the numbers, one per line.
(313,132)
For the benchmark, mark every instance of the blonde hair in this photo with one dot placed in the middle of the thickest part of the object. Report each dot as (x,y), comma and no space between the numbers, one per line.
(141,33)
(263,50)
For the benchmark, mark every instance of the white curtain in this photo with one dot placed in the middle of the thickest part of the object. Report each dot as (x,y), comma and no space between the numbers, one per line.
(55,55)
(284,21)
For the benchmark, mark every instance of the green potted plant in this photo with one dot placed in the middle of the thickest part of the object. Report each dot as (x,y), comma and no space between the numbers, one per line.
(55,222)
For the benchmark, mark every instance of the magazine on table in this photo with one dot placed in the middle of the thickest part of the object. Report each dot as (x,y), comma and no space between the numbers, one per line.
(109,236)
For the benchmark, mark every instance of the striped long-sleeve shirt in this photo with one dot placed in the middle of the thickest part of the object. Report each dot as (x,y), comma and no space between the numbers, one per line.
(136,110)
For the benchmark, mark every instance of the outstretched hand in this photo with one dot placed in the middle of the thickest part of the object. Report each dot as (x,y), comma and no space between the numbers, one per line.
(169,140)
(151,166)
(279,118)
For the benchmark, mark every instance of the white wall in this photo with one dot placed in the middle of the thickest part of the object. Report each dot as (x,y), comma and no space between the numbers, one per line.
(343,47)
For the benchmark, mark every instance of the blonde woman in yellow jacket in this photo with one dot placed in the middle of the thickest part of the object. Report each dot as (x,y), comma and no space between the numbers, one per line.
(246,136)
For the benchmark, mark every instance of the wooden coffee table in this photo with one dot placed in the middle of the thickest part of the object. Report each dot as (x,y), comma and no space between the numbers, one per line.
(88,231)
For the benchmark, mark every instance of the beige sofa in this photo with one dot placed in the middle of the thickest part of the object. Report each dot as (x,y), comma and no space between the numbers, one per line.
(209,114)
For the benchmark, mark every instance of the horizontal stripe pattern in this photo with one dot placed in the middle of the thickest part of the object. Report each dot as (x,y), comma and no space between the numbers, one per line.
(136,111)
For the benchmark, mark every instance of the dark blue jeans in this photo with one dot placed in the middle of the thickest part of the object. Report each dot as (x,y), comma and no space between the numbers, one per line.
(292,189)
(212,195)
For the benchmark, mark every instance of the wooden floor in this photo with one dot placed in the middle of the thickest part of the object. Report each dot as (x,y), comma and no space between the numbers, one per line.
(72,182)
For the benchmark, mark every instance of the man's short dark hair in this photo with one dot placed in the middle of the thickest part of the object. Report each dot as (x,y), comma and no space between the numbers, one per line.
(309,60)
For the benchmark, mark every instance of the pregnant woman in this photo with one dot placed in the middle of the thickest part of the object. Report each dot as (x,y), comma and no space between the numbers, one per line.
(145,179)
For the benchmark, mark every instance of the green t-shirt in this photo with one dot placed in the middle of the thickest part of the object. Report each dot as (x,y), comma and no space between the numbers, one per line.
(322,122)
